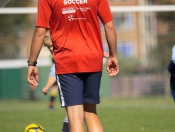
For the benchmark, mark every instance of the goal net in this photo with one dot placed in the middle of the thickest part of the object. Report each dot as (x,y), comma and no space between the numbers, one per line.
(145,38)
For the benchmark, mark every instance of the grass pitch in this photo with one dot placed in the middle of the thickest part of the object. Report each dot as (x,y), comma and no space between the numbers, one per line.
(147,114)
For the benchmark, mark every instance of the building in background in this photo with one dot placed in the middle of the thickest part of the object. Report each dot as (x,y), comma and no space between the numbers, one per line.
(136,31)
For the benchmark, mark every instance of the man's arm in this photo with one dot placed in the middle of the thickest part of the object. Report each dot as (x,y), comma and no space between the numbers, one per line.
(37,42)
(112,62)
(51,80)
(111,38)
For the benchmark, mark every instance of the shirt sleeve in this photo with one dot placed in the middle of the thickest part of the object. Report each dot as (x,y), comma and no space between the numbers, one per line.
(44,14)
(104,11)
(52,71)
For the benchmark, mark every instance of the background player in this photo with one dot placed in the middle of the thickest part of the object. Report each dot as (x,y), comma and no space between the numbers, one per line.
(171,69)
(51,83)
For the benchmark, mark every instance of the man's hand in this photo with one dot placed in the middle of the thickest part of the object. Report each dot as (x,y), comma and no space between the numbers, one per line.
(32,75)
(112,66)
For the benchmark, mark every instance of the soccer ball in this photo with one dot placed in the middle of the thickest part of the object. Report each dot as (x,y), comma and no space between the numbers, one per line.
(34,128)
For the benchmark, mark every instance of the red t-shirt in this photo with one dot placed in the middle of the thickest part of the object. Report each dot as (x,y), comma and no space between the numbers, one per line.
(75,32)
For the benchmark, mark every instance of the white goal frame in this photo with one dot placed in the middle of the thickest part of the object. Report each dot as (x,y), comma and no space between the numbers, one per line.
(150,8)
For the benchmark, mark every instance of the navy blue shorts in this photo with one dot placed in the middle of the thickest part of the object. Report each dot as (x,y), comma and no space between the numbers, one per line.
(79,88)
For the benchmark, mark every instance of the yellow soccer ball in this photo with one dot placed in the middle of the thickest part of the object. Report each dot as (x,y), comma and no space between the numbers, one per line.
(34,128)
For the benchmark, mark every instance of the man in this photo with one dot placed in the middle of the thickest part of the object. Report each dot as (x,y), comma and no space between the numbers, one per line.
(171,69)
(78,55)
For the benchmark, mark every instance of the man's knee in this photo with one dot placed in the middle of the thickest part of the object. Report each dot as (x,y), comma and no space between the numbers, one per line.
(89,107)
(75,112)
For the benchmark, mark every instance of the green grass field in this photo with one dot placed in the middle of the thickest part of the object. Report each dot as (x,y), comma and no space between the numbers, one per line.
(149,114)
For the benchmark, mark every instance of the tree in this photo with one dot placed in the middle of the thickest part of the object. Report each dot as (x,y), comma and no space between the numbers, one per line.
(161,54)
(11,27)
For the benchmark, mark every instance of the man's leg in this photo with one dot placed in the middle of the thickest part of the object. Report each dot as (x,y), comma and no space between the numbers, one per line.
(65,127)
(53,94)
(93,122)
(76,118)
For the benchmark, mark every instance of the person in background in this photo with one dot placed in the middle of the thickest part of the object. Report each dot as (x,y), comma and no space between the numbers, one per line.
(78,55)
(51,83)
(171,69)
(106,54)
